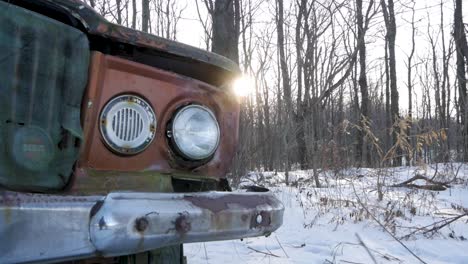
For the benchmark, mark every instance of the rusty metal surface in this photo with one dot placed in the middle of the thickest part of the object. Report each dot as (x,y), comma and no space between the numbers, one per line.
(95,25)
(166,92)
(155,220)
(127,223)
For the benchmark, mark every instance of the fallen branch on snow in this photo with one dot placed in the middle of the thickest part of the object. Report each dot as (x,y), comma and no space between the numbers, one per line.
(366,248)
(261,252)
(435,226)
(432,186)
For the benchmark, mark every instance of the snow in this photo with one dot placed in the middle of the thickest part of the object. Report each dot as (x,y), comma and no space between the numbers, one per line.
(323,225)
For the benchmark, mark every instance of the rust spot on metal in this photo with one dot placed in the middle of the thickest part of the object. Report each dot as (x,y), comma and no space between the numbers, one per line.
(182,223)
(141,224)
(244,217)
(218,204)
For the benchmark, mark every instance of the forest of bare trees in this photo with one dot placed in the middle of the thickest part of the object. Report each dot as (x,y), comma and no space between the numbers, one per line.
(337,83)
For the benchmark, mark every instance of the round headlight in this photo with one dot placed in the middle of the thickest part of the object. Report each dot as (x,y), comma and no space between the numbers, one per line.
(127,124)
(195,132)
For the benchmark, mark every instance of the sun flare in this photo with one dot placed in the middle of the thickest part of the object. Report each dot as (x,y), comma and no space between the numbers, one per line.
(243,85)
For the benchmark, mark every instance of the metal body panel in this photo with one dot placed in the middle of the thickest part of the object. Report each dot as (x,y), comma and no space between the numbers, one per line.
(166,92)
(40,228)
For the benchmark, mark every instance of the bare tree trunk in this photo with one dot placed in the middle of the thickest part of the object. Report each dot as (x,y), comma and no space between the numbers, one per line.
(363,148)
(268,128)
(301,101)
(390,24)
(145,15)
(168,21)
(134,13)
(439,113)
(225,34)
(388,115)
(119,11)
(445,155)
(285,79)
(283,62)
(410,81)
(462,57)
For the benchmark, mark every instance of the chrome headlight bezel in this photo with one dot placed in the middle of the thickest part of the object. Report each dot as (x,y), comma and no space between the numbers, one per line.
(176,145)
(137,128)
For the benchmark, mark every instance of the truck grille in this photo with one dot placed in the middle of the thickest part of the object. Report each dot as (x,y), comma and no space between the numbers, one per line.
(127,124)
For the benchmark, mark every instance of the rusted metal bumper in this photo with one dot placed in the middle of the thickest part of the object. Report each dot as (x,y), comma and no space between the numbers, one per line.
(37,228)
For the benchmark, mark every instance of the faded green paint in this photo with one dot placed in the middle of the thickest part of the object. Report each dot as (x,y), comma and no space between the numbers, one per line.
(44,71)
(103,182)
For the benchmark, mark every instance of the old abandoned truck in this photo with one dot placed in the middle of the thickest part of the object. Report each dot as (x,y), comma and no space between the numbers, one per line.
(114,144)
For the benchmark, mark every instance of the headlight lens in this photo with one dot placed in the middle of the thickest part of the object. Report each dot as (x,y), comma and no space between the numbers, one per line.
(195,132)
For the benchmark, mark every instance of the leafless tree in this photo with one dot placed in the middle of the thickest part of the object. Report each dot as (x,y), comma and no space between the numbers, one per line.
(145,15)
(462,58)
(225,27)
(388,10)
(363,153)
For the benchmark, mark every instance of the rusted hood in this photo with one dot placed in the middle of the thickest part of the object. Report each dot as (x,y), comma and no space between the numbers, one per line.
(89,21)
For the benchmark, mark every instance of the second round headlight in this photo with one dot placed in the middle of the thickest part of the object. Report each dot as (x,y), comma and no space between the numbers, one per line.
(195,132)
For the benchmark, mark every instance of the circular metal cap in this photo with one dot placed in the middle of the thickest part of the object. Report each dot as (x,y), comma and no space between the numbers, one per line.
(127,124)
(32,148)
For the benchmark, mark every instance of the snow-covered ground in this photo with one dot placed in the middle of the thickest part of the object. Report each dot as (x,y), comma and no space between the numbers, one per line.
(343,222)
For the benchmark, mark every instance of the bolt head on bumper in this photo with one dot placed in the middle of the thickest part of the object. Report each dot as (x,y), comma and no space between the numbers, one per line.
(36,227)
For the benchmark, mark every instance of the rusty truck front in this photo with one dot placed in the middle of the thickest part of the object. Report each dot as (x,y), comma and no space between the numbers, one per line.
(114,142)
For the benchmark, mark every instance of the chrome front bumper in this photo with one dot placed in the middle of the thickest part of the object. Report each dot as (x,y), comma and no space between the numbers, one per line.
(37,228)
